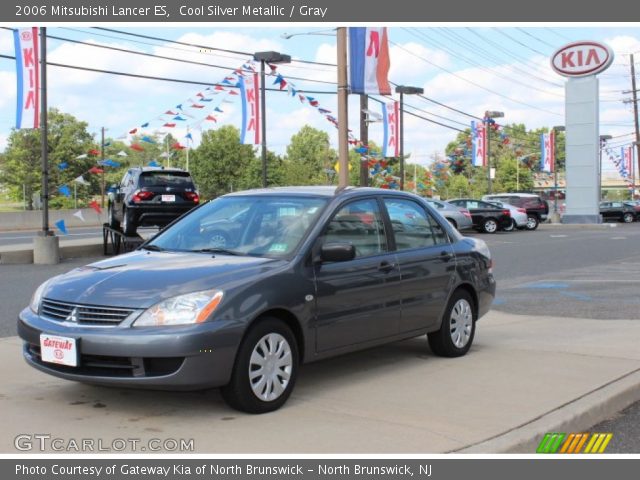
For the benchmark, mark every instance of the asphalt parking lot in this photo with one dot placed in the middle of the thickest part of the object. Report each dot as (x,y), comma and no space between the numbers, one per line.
(564,314)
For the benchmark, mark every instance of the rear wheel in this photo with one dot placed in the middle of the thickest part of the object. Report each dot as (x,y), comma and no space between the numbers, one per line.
(265,369)
(453,223)
(511,226)
(628,217)
(458,327)
(490,225)
(128,224)
(113,221)
(532,222)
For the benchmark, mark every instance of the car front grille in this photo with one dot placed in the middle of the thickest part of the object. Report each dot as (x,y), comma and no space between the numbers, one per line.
(83,314)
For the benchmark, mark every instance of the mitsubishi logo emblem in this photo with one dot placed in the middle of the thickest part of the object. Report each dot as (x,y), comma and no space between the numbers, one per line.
(73,316)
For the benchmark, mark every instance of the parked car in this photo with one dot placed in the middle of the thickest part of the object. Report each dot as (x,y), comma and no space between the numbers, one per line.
(519,215)
(311,273)
(635,204)
(459,217)
(150,196)
(617,211)
(537,208)
(486,217)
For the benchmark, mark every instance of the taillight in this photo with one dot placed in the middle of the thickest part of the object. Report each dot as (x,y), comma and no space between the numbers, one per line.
(192,196)
(142,195)
(522,210)
(506,212)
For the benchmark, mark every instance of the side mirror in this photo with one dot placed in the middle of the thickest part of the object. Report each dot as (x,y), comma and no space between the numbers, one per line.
(337,252)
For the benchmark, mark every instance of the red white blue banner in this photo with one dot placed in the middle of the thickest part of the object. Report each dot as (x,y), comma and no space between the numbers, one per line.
(479,144)
(627,158)
(28,76)
(250,93)
(369,60)
(548,157)
(391,124)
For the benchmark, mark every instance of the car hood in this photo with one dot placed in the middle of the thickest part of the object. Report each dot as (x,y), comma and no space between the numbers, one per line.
(142,279)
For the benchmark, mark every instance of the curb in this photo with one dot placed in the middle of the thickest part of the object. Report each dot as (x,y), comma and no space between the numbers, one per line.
(580,226)
(25,255)
(575,416)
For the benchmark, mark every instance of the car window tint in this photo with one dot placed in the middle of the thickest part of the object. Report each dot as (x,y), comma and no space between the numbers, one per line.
(472,204)
(360,224)
(616,204)
(412,226)
(165,179)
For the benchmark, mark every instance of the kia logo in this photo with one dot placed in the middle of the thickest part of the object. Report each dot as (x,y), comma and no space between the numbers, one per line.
(26,36)
(580,59)
(59,354)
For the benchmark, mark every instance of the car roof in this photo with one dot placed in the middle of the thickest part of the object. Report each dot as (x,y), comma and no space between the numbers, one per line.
(322,191)
(512,195)
(159,169)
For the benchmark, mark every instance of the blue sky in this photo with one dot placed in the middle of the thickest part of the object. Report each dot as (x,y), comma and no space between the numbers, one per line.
(472,69)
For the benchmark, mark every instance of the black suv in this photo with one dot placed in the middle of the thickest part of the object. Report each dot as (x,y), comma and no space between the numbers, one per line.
(149,196)
(617,211)
(537,208)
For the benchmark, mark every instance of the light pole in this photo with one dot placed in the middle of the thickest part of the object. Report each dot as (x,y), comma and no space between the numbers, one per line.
(404,90)
(343,99)
(556,129)
(603,143)
(325,33)
(488,115)
(266,57)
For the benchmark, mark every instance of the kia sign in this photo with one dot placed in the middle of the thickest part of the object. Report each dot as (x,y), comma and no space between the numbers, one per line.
(580,59)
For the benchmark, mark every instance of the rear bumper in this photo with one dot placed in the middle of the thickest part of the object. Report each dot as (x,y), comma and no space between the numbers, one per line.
(173,358)
(149,215)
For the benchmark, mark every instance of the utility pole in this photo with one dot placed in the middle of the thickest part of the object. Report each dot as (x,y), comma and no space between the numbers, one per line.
(343,127)
(634,92)
(44,132)
(102,164)
(364,138)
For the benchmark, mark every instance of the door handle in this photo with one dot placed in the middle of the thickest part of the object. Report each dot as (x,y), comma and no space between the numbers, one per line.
(446,256)
(386,267)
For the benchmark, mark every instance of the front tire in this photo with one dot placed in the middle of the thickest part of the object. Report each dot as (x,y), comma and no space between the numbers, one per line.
(129,226)
(265,369)
(532,222)
(113,221)
(511,227)
(628,217)
(458,327)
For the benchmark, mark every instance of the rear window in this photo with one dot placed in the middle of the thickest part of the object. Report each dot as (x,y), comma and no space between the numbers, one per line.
(166,179)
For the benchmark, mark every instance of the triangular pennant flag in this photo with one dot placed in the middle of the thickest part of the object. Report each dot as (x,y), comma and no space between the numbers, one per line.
(79,215)
(169,112)
(179,107)
(96,206)
(177,146)
(81,180)
(218,109)
(233,92)
(63,165)
(96,170)
(109,163)
(64,190)
(106,144)
(84,155)
(148,139)
(165,155)
(226,100)
(206,99)
(294,92)
(137,147)
(219,88)
(200,94)
(153,163)
(61,226)
(226,81)
(93,152)
(169,125)
(144,125)
(302,98)
(122,153)
(195,105)
(188,135)
(273,68)
(211,118)
(133,132)
(178,117)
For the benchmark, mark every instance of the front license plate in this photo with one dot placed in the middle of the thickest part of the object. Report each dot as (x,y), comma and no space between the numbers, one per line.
(168,198)
(60,350)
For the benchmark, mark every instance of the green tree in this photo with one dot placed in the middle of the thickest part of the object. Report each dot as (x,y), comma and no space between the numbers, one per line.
(220,163)
(309,155)
(67,139)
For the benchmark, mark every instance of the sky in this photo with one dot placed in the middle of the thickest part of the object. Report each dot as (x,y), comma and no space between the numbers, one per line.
(470,69)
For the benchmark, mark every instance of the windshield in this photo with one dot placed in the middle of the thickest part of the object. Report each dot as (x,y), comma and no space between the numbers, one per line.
(270,226)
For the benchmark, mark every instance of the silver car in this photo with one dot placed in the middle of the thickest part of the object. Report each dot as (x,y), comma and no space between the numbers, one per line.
(459,217)
(518,215)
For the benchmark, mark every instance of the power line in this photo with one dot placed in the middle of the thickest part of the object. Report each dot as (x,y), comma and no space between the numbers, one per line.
(432,121)
(502,32)
(544,42)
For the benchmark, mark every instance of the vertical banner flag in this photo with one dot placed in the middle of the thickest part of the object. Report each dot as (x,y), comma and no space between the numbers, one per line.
(28,76)
(547,159)
(250,110)
(391,125)
(479,141)
(627,158)
(369,60)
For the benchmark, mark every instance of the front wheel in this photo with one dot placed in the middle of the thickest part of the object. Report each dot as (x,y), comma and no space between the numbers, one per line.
(265,369)
(511,226)
(628,218)
(113,221)
(532,222)
(128,224)
(458,327)
(490,225)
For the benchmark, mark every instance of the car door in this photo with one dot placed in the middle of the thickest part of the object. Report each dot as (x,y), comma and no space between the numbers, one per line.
(357,300)
(426,260)
(605,210)
(119,194)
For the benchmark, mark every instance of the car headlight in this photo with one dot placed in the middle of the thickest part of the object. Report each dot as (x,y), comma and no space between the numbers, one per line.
(36,298)
(181,310)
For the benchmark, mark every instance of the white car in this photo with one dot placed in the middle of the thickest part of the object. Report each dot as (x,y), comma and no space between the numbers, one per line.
(518,215)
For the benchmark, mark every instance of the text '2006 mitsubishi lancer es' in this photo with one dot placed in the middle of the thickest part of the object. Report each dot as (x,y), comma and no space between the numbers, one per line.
(242,290)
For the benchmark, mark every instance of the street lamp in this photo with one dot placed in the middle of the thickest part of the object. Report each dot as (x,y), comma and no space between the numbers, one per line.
(266,57)
(488,115)
(404,90)
(324,33)
(603,143)
(557,128)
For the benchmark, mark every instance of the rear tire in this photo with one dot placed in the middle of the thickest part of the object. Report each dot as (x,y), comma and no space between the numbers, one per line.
(265,369)
(532,222)
(458,327)
(490,225)
(453,223)
(511,227)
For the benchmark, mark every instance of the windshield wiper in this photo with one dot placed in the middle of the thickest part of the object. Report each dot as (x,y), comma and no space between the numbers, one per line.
(217,250)
(152,248)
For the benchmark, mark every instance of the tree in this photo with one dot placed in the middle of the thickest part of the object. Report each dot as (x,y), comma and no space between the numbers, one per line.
(220,163)
(67,139)
(308,156)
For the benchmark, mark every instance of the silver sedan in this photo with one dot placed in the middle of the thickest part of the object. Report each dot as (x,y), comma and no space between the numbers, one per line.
(518,215)
(459,217)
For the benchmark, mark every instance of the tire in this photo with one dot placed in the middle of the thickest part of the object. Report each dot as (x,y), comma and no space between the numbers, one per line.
(453,223)
(129,226)
(628,217)
(258,397)
(458,327)
(113,221)
(532,222)
(511,226)
(490,225)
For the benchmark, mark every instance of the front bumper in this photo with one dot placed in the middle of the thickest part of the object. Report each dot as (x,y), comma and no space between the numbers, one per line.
(174,358)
